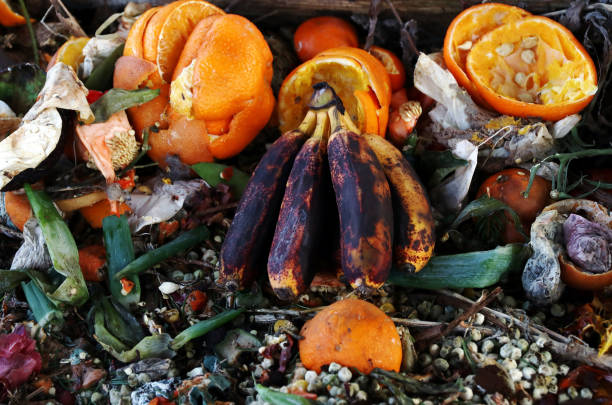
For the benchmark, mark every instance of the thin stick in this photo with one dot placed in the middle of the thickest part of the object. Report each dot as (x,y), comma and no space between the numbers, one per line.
(565,347)
(26,15)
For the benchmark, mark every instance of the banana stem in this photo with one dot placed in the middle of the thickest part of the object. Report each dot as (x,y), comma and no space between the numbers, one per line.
(334,119)
(321,130)
(323,96)
(348,122)
(309,122)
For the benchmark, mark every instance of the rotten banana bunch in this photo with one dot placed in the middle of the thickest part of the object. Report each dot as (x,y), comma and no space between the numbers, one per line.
(282,221)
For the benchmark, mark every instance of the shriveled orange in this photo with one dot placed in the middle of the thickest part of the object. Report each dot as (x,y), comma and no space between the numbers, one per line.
(353,333)
(131,72)
(17,208)
(176,29)
(232,65)
(159,36)
(185,138)
(133,42)
(151,33)
(70,53)
(94,214)
(244,126)
(8,17)
(359,79)
(393,65)
(466,29)
(220,95)
(321,33)
(533,67)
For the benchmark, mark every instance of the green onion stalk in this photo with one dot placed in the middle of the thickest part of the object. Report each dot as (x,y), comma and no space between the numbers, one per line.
(45,312)
(172,248)
(203,327)
(119,252)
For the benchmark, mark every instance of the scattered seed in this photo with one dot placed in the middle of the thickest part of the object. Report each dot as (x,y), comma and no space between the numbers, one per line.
(345,374)
(586,393)
(504,49)
(528,56)
(521,79)
(529,42)
(467,394)
(441,364)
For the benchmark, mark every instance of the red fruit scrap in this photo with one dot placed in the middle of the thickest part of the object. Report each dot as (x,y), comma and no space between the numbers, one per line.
(18,358)
(197,300)
(93,96)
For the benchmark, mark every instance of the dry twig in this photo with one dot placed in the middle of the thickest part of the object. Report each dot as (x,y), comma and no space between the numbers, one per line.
(569,348)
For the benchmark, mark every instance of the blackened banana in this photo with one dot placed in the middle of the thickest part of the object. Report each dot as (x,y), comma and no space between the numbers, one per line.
(364,205)
(297,237)
(248,239)
(414,238)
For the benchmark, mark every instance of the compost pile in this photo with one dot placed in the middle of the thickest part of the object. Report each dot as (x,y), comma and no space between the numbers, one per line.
(199,207)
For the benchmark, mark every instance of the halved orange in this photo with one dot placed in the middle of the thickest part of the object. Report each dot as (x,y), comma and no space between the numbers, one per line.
(70,53)
(359,79)
(393,64)
(533,67)
(466,29)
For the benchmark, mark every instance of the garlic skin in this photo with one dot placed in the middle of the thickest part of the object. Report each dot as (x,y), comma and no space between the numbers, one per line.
(588,244)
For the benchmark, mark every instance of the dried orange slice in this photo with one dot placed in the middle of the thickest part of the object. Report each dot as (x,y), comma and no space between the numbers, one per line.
(533,67)
(466,29)
(359,79)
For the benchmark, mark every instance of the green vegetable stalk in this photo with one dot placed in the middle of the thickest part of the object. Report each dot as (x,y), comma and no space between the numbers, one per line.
(45,312)
(280,398)
(62,249)
(203,327)
(119,252)
(155,346)
(465,270)
(150,259)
